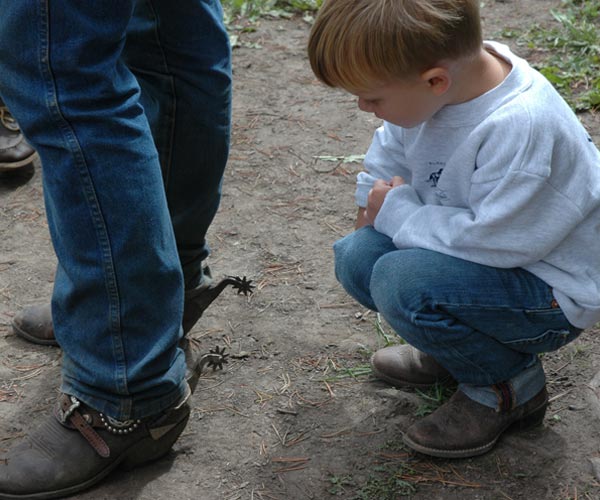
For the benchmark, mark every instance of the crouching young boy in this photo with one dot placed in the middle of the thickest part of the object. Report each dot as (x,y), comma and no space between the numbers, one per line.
(478,229)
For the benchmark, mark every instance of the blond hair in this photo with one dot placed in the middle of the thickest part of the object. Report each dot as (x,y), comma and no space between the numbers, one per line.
(356,43)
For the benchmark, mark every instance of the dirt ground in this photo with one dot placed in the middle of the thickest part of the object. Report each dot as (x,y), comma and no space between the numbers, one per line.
(296,415)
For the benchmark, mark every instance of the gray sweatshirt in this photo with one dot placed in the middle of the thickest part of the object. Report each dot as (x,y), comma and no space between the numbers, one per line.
(508,179)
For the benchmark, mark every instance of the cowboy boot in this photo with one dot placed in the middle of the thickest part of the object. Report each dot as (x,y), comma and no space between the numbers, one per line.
(405,366)
(34,323)
(15,152)
(463,428)
(77,447)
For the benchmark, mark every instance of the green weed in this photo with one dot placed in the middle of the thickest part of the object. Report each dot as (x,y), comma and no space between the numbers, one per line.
(433,398)
(570,52)
(579,350)
(253,9)
(241,16)
(384,337)
(338,484)
(386,485)
(350,372)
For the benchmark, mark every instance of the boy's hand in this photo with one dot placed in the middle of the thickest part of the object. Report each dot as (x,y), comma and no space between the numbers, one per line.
(377,196)
(361,218)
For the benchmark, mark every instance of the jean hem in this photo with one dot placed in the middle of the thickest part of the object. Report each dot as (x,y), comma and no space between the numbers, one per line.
(141,407)
(522,388)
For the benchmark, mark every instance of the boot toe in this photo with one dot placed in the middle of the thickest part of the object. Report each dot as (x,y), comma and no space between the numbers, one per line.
(34,324)
(405,366)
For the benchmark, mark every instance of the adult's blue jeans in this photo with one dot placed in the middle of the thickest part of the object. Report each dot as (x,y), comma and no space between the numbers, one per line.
(129,105)
(485,325)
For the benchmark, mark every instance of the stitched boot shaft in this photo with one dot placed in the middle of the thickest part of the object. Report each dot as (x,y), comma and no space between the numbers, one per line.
(464,428)
(77,447)
(405,366)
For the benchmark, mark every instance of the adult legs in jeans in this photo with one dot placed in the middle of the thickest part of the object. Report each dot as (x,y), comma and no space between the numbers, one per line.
(484,325)
(187,99)
(118,293)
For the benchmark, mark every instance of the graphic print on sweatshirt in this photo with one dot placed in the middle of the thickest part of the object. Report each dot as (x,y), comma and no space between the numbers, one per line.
(435,177)
(436,168)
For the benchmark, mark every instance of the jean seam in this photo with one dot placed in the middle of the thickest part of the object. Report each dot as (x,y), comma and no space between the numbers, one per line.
(526,310)
(93,205)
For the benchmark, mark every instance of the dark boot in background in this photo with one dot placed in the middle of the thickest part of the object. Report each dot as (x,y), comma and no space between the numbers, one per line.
(15,152)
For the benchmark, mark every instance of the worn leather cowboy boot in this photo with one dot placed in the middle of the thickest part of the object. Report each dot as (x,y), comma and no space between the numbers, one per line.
(77,447)
(463,428)
(34,323)
(405,366)
(15,152)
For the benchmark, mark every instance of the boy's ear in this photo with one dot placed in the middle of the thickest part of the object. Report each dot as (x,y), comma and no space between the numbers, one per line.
(438,79)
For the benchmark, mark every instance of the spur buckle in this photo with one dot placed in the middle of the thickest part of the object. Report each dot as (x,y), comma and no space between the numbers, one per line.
(63,415)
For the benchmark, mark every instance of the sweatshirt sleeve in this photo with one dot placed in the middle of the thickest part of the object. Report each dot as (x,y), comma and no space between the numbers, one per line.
(516,212)
(384,160)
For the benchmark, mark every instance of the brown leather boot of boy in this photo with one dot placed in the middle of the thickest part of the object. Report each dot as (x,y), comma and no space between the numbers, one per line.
(463,428)
(406,366)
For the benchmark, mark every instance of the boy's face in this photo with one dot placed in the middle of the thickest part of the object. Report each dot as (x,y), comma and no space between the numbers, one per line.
(406,103)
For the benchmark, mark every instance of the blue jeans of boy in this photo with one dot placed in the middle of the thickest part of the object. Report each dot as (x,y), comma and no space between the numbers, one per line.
(128,104)
(485,325)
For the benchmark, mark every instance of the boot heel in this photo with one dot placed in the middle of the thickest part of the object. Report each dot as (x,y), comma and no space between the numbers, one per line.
(534,419)
(149,450)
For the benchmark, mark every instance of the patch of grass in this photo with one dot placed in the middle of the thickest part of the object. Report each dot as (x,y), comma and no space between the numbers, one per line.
(342,372)
(398,473)
(579,350)
(338,484)
(386,484)
(241,16)
(253,9)
(401,477)
(385,335)
(433,398)
(570,52)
